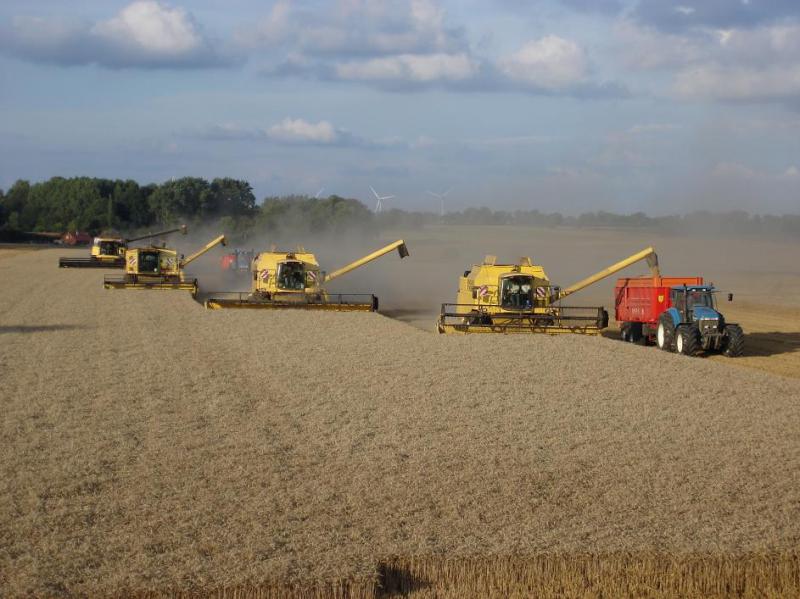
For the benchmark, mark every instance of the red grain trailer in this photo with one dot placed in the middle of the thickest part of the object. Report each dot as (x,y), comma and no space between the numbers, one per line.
(639,301)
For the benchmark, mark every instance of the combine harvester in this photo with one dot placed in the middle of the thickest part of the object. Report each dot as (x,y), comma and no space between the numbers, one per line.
(294,280)
(109,252)
(519,298)
(158,268)
(677,314)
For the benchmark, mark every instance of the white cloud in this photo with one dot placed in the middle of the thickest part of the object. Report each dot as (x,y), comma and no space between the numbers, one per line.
(410,67)
(289,131)
(551,62)
(300,131)
(153,28)
(145,33)
(366,28)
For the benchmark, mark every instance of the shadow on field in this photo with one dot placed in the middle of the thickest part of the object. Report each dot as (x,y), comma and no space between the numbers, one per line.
(397,581)
(42,328)
(755,344)
(771,344)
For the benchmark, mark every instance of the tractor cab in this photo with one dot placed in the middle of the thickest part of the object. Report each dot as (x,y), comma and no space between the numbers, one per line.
(694,302)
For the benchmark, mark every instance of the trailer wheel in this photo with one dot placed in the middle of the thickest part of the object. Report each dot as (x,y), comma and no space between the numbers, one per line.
(735,337)
(687,340)
(665,334)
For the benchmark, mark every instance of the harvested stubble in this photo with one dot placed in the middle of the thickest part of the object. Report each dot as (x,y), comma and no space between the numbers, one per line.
(152,448)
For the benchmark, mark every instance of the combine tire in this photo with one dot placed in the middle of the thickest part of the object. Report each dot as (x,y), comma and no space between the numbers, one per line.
(735,341)
(665,334)
(687,340)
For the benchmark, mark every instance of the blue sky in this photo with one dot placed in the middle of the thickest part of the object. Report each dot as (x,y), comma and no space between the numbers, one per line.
(655,105)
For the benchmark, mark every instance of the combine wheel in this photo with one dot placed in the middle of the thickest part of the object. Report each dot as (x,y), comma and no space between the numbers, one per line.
(687,340)
(665,334)
(735,341)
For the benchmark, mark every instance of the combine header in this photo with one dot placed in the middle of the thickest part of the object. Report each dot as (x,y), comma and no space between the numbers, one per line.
(109,252)
(519,298)
(158,268)
(294,280)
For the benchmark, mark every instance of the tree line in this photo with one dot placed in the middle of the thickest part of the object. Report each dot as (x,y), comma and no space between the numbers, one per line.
(97,205)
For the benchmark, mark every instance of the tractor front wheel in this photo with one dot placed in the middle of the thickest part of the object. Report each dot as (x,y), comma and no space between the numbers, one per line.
(735,341)
(687,340)
(665,334)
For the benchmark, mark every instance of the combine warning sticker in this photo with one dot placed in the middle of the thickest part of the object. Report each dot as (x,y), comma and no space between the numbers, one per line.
(131,260)
(312,276)
(264,274)
(483,291)
(541,292)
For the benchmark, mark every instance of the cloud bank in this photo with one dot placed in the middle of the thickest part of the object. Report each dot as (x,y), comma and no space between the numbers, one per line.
(144,34)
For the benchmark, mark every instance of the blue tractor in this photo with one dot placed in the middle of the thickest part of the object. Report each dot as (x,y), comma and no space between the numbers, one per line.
(693,324)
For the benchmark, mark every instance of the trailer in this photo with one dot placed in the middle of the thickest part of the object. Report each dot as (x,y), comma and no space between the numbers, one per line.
(676,314)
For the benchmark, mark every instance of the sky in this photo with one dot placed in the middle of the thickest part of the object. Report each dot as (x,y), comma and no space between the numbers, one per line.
(660,106)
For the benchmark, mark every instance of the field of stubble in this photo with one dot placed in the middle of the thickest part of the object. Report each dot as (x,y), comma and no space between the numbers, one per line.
(151,447)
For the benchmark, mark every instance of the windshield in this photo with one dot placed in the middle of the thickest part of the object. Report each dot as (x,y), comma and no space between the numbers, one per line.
(701,298)
(148,262)
(108,248)
(694,298)
(516,292)
(292,276)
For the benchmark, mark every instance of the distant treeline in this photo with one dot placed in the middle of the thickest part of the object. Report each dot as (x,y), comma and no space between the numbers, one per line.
(104,205)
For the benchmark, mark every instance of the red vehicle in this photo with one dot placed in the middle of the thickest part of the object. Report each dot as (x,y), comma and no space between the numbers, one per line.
(76,238)
(640,301)
(677,313)
(237,261)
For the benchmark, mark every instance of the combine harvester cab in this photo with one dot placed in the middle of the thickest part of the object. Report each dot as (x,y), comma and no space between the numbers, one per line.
(158,268)
(519,298)
(294,280)
(109,252)
(676,313)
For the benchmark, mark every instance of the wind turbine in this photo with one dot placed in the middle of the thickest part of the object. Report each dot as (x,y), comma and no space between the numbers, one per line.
(441,197)
(379,203)
(319,193)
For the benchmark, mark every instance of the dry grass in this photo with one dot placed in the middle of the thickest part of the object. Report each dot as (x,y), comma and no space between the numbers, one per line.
(152,448)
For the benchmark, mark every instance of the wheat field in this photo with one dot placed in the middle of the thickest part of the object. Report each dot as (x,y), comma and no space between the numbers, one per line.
(152,448)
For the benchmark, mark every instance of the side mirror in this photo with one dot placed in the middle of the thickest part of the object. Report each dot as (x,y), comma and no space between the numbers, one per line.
(730,297)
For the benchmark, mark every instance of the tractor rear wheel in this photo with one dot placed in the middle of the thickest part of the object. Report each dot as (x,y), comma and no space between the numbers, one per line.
(735,341)
(665,334)
(687,340)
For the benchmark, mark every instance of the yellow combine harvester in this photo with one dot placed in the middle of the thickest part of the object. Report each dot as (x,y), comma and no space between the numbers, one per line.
(109,252)
(158,268)
(294,280)
(519,298)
